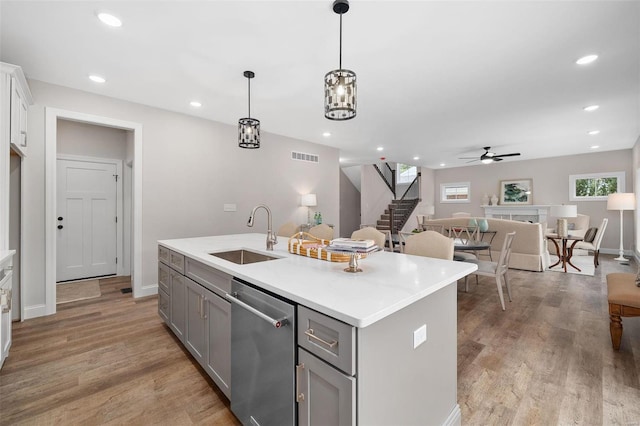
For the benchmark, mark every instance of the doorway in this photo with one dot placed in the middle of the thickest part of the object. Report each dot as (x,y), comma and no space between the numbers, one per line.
(134,134)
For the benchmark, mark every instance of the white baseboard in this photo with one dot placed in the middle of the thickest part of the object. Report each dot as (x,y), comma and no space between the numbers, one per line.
(455,417)
(34,311)
(616,251)
(148,290)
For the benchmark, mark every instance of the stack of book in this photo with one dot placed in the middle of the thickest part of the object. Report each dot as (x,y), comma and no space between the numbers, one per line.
(349,245)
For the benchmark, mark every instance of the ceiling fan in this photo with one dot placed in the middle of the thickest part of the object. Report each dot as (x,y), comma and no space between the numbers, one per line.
(489,157)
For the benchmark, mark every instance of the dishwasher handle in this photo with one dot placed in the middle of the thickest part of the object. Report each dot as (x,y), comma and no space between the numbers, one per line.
(277,323)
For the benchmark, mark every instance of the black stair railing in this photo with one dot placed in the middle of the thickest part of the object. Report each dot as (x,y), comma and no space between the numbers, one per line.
(413,191)
(388,175)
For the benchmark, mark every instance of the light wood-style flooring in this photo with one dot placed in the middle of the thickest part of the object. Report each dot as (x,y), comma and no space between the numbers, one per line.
(546,360)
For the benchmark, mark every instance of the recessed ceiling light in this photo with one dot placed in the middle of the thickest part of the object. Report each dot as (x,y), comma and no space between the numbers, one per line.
(326,134)
(594,146)
(195,104)
(380,148)
(586,59)
(109,19)
(416,158)
(97,78)
(591,108)
(442,164)
(594,132)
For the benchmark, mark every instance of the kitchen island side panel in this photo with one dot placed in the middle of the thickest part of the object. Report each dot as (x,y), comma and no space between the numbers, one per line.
(398,384)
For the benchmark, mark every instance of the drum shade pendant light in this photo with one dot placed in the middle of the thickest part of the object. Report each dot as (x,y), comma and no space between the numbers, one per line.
(340,84)
(249,128)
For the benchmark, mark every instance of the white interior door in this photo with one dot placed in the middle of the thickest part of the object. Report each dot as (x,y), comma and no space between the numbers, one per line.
(86,235)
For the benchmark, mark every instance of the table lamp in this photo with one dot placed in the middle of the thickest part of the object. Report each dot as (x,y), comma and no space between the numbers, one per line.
(562,212)
(621,201)
(308,200)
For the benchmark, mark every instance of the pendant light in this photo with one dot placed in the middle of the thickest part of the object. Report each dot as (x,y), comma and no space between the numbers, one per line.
(340,84)
(249,128)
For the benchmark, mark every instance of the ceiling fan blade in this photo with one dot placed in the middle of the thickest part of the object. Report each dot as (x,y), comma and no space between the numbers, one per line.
(496,159)
(472,161)
(467,158)
(513,154)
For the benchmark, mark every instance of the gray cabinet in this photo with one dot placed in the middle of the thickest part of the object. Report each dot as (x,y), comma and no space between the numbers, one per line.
(326,393)
(177,305)
(218,335)
(197,313)
(326,396)
(195,332)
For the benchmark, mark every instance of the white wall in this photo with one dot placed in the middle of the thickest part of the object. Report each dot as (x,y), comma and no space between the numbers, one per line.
(375,196)
(89,140)
(191,167)
(349,206)
(550,186)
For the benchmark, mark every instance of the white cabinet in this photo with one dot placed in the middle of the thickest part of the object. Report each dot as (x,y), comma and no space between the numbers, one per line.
(6,274)
(16,98)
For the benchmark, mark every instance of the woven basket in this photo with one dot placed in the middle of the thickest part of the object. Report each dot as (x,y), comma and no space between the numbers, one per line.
(305,244)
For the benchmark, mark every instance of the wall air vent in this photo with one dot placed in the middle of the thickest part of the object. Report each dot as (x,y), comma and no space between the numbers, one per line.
(301,156)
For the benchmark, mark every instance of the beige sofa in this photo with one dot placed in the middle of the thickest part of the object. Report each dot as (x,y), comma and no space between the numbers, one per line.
(529,251)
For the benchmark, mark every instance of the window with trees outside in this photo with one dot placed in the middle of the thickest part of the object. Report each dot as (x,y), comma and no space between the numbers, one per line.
(595,186)
(406,173)
(459,192)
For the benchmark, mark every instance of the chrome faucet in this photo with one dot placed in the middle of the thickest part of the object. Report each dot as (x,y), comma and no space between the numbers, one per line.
(271,236)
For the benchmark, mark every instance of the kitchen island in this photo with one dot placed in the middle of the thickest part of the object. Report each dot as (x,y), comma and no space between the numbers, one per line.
(388,333)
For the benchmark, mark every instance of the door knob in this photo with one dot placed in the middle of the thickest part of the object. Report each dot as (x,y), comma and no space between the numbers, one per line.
(60,226)
(59,217)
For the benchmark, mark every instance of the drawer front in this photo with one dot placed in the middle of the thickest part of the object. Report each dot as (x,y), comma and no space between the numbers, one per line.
(163,306)
(328,339)
(212,279)
(163,277)
(176,261)
(163,254)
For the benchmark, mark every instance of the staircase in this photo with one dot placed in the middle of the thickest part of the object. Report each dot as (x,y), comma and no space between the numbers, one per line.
(402,211)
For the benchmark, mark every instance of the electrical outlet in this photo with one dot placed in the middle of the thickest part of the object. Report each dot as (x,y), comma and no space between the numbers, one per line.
(229,207)
(420,336)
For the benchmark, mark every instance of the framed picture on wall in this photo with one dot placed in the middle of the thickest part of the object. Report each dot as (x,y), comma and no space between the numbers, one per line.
(517,191)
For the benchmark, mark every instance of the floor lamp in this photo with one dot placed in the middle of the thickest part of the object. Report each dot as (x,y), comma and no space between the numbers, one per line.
(621,201)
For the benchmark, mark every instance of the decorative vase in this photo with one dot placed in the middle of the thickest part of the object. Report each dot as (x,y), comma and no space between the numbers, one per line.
(485,200)
(494,200)
(483,225)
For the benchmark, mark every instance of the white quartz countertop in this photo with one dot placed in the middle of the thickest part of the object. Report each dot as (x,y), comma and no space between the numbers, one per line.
(388,283)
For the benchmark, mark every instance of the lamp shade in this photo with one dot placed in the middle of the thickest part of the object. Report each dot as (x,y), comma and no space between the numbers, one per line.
(564,210)
(621,201)
(309,200)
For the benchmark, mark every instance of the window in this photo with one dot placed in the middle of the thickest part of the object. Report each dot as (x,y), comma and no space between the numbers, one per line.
(459,192)
(406,173)
(595,186)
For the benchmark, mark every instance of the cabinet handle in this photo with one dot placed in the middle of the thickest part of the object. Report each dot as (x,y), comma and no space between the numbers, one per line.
(7,297)
(299,395)
(309,333)
(201,307)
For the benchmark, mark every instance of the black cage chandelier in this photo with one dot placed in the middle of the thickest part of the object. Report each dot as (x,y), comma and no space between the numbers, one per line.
(249,128)
(340,84)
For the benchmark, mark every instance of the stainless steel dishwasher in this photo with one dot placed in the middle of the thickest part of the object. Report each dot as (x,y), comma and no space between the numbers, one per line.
(262,357)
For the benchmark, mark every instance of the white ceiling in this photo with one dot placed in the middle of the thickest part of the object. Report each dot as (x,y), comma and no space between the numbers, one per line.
(436,79)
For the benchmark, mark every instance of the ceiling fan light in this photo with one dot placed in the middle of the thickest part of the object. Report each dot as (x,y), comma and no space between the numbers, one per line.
(486,160)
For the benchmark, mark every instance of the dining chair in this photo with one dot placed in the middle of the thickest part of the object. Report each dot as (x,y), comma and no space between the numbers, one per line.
(461,214)
(420,218)
(370,233)
(430,244)
(465,234)
(288,229)
(386,232)
(433,227)
(594,245)
(322,231)
(497,270)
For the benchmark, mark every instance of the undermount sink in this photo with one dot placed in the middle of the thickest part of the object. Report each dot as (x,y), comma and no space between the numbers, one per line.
(243,257)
